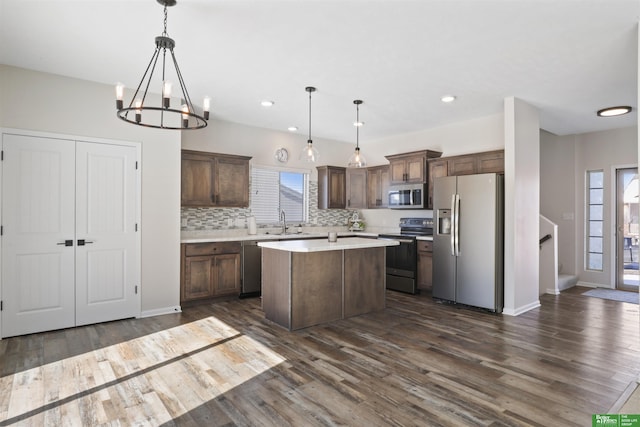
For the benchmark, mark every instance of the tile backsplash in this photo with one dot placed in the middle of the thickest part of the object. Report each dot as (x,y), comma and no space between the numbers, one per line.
(193,219)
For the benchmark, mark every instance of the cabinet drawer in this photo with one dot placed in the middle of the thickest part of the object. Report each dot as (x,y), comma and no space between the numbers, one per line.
(425,246)
(196,249)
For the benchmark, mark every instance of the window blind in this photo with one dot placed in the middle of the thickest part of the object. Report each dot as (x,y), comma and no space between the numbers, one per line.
(274,190)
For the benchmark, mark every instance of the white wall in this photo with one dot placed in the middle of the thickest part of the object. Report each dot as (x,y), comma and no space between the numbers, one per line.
(558,193)
(601,150)
(44,102)
(522,206)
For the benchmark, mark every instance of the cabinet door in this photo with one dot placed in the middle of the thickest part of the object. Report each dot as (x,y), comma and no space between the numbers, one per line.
(415,169)
(490,162)
(226,274)
(196,180)
(425,264)
(198,281)
(377,187)
(397,169)
(464,165)
(337,186)
(231,183)
(437,168)
(356,188)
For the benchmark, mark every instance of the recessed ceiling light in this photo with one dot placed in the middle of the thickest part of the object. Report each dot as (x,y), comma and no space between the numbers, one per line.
(614,111)
(292,128)
(267,103)
(448,98)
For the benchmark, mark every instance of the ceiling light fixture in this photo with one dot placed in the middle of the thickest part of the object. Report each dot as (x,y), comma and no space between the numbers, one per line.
(309,154)
(614,111)
(267,103)
(292,128)
(357,160)
(163,116)
(448,98)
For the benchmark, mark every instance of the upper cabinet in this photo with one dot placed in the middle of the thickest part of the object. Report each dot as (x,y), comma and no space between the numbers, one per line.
(410,167)
(378,187)
(468,164)
(356,187)
(214,180)
(331,187)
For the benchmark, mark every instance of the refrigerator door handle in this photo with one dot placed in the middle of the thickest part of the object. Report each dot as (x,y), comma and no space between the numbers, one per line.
(453,225)
(456,230)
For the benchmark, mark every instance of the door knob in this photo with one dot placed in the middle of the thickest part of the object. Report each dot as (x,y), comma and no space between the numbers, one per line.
(66,243)
(82,242)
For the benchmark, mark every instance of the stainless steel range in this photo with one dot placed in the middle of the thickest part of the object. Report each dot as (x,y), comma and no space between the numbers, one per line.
(402,260)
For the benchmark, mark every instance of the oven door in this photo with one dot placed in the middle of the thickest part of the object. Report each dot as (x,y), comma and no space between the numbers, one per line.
(401,264)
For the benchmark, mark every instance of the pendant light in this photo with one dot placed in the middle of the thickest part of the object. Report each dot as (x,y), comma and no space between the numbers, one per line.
(162,116)
(357,160)
(309,154)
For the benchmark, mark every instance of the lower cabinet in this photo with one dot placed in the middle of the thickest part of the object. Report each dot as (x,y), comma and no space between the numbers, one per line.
(209,270)
(425,264)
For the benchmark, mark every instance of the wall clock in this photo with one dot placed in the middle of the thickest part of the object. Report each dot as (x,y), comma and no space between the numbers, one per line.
(282,155)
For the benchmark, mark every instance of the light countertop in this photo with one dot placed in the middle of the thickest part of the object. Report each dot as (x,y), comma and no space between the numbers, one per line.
(317,245)
(241,235)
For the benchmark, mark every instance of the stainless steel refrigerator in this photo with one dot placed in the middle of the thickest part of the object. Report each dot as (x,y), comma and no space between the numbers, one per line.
(468,240)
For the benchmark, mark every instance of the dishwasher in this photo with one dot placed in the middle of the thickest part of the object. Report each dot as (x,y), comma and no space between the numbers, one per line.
(251,278)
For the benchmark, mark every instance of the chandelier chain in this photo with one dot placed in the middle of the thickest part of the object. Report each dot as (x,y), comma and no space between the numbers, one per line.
(164,33)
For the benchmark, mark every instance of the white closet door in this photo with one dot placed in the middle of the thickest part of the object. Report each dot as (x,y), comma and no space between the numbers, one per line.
(106,264)
(38,216)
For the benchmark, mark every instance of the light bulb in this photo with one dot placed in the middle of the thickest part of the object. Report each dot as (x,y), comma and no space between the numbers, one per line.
(166,93)
(138,110)
(185,116)
(119,95)
(206,107)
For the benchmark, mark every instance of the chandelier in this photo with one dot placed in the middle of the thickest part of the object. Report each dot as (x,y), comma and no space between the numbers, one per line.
(162,116)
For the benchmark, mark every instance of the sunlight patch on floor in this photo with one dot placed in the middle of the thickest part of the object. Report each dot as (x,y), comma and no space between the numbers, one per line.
(152,379)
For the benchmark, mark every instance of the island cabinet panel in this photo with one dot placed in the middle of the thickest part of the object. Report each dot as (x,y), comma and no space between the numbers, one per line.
(317,297)
(276,298)
(364,290)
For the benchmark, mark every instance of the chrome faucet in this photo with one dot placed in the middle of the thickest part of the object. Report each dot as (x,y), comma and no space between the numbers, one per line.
(283,218)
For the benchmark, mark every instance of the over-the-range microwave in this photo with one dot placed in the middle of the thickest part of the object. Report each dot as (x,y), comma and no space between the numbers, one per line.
(407,196)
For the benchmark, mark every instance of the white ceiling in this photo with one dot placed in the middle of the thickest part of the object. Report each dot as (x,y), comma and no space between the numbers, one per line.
(568,58)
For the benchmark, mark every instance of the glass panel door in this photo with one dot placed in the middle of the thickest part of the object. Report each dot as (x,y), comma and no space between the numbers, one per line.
(628,277)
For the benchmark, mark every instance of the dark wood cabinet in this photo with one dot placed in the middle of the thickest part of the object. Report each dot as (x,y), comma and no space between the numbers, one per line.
(331,187)
(468,164)
(356,187)
(214,180)
(490,162)
(410,167)
(425,264)
(209,270)
(378,187)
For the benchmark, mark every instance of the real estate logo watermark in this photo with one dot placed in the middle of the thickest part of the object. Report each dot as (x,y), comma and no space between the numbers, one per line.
(615,420)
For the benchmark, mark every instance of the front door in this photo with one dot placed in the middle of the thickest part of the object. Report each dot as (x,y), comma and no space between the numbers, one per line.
(627,274)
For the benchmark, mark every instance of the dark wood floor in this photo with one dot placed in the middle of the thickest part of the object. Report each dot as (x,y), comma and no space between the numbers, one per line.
(416,363)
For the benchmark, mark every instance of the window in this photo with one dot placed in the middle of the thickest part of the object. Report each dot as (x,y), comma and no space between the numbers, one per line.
(594,219)
(273,190)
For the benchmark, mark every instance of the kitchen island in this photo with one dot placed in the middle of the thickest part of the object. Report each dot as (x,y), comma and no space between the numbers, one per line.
(308,282)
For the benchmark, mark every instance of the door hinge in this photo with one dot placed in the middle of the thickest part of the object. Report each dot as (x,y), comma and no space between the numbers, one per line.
(136,165)
(136,289)
(1,230)
(136,227)
(1,305)
(1,155)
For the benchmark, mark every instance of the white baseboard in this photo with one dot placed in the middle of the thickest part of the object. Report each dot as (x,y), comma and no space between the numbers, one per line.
(161,311)
(553,291)
(591,285)
(518,311)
